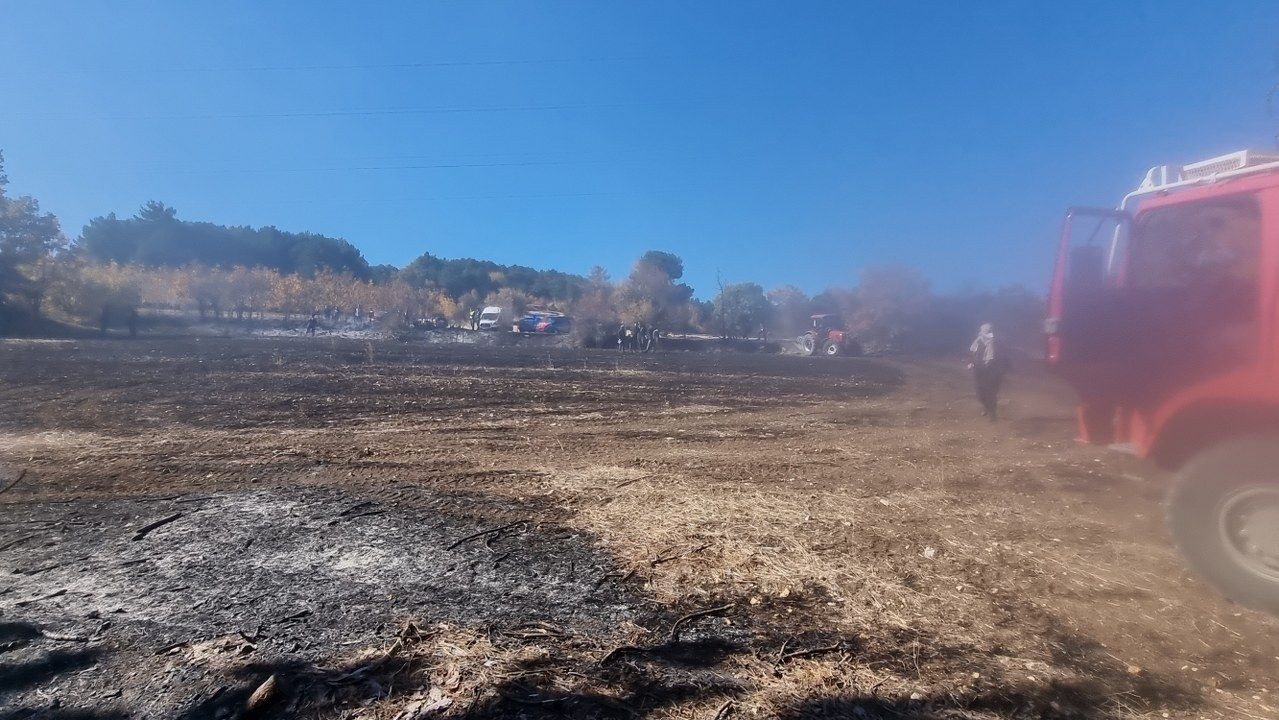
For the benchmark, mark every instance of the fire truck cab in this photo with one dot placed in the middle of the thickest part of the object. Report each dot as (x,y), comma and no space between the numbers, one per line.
(1163,314)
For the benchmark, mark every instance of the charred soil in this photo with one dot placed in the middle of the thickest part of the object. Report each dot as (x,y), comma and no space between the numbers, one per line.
(208,528)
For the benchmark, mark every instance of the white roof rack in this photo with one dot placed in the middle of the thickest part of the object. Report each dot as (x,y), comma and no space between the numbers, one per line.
(1168,177)
(1227,163)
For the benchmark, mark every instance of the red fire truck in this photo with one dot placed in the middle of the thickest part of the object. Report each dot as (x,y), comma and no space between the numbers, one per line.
(1163,314)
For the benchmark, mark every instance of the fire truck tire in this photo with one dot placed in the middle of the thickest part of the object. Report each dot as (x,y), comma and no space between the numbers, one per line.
(1223,512)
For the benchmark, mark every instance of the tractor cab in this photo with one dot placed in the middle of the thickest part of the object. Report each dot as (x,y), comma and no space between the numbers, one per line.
(1163,314)
(823,322)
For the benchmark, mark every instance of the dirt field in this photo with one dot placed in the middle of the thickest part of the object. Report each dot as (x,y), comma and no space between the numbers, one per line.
(395,530)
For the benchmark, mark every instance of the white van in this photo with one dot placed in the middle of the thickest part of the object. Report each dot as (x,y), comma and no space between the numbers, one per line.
(490,317)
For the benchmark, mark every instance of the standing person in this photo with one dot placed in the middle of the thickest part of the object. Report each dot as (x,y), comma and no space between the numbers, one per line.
(133,322)
(311,324)
(621,337)
(102,321)
(988,365)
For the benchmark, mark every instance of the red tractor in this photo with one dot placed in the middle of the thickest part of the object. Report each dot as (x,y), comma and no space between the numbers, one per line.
(1163,314)
(828,337)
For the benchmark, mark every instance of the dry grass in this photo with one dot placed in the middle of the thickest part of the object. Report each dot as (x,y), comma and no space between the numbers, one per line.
(882,555)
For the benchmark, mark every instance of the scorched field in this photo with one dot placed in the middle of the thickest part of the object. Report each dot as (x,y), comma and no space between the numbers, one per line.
(328,528)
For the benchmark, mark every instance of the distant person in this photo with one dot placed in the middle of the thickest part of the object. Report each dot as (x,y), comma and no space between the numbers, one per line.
(989,365)
(133,322)
(102,321)
(622,332)
(475,319)
(311,325)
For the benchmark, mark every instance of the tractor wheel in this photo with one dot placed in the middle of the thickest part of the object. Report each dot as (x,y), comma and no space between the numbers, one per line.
(831,348)
(808,343)
(1223,512)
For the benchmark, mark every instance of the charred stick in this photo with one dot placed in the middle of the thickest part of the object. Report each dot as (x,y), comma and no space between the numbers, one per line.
(621,650)
(19,541)
(659,560)
(50,596)
(527,701)
(674,635)
(809,652)
(345,516)
(484,533)
(621,577)
(355,507)
(39,569)
(145,529)
(16,480)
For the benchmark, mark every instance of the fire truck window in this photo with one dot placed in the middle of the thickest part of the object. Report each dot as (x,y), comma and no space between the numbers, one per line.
(1206,251)
(1193,268)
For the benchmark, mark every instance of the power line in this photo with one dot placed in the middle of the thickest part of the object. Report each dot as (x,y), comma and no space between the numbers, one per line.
(335,168)
(112,170)
(357,113)
(436,198)
(435,110)
(158,69)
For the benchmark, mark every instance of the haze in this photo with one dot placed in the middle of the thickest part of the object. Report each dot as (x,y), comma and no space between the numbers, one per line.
(772,143)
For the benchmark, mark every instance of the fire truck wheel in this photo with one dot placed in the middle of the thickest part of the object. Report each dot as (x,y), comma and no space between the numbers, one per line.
(1223,512)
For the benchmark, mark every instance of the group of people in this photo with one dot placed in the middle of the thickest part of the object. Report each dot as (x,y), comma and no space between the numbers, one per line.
(637,338)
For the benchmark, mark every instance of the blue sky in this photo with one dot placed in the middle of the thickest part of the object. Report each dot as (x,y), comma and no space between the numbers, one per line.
(772,142)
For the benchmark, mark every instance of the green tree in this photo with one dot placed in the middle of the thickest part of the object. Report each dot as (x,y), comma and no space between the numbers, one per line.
(460,276)
(668,263)
(650,294)
(156,237)
(29,241)
(742,310)
(792,310)
(593,313)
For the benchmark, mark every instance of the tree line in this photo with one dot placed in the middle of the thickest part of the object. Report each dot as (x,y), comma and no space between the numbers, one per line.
(156,260)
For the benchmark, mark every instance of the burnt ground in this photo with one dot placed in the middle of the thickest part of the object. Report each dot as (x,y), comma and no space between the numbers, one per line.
(399,530)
